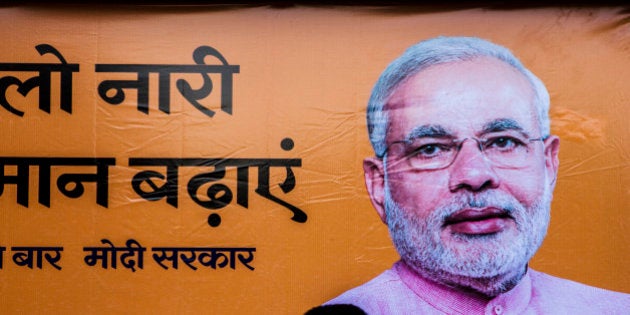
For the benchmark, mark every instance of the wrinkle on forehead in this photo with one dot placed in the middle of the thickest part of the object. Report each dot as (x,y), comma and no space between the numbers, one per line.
(489,62)
(439,86)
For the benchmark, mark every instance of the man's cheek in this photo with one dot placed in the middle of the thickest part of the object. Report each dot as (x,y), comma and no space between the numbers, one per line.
(525,185)
(415,193)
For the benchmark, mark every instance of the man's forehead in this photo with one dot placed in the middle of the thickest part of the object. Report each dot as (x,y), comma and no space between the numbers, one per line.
(461,94)
(478,68)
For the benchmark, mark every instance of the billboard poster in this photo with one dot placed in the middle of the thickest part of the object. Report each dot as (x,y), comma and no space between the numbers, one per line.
(208,159)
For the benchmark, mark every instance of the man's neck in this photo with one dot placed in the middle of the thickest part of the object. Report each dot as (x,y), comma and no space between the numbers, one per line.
(486,288)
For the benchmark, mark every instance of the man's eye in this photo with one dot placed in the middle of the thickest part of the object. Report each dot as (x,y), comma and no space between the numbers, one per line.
(430,150)
(503,143)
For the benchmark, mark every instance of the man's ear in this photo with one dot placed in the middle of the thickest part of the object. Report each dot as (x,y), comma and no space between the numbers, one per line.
(552,149)
(375,183)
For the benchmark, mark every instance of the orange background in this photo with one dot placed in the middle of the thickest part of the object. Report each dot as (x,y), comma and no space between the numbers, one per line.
(306,73)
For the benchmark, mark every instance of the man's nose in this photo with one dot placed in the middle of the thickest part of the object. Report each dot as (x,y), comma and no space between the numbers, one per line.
(471,170)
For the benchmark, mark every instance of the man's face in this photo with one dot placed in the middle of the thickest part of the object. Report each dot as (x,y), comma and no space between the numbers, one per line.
(471,219)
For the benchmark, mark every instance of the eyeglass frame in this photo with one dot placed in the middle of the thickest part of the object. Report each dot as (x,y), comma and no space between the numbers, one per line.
(458,144)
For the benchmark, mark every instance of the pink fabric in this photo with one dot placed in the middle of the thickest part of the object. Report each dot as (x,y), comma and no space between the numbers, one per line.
(399,290)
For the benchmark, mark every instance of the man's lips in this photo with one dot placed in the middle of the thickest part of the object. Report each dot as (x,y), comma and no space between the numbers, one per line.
(478,221)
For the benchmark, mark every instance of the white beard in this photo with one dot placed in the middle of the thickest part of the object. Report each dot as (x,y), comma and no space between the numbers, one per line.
(488,264)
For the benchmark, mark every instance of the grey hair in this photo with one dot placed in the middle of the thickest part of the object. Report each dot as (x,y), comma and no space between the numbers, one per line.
(433,52)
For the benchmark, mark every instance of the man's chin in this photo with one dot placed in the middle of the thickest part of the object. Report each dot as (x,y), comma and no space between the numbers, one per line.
(483,256)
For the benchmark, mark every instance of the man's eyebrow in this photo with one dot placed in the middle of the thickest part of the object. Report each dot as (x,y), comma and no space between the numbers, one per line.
(433,131)
(503,124)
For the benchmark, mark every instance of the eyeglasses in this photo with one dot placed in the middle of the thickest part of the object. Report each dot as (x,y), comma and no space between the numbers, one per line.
(503,150)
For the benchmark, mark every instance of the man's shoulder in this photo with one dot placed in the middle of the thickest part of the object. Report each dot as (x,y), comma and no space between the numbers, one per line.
(551,289)
(555,285)
(377,287)
(385,294)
